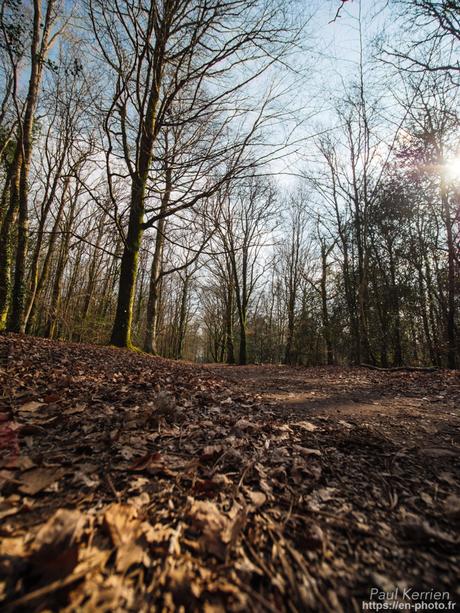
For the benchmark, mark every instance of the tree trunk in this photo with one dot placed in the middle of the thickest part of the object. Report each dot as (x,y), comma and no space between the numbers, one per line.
(91,276)
(121,332)
(288,357)
(395,305)
(16,322)
(43,278)
(450,315)
(150,340)
(34,274)
(38,51)
(325,314)
(68,306)
(140,297)
(182,319)
(229,325)
(243,357)
(426,326)
(6,249)
(50,328)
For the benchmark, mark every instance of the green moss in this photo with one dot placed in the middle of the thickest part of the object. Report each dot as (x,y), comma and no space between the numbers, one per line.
(129,347)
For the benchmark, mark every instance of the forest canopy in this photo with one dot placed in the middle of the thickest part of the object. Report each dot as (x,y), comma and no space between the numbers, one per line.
(233,180)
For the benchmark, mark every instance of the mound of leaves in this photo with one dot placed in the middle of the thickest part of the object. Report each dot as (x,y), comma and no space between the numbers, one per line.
(134,483)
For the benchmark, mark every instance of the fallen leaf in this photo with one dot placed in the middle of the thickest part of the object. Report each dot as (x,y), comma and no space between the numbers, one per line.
(55,547)
(29,407)
(218,531)
(452,506)
(129,554)
(140,501)
(440,452)
(124,528)
(12,546)
(51,398)
(211,452)
(79,408)
(324,494)
(148,460)
(257,498)
(122,523)
(447,478)
(305,451)
(306,425)
(37,479)
(427,499)
(8,508)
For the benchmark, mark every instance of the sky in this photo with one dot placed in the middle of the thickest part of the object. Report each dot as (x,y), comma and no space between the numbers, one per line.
(330,63)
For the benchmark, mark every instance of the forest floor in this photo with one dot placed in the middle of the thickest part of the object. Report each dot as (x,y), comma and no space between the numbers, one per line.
(132,483)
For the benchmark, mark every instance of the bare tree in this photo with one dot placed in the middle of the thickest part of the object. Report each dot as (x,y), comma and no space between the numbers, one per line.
(157,52)
(44,17)
(432,38)
(244,221)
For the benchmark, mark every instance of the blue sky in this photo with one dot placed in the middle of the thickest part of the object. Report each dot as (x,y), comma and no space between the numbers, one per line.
(330,63)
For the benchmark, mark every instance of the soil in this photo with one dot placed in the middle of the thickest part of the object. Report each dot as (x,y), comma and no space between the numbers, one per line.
(133,483)
(391,402)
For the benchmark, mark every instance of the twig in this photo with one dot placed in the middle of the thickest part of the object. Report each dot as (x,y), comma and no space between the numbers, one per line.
(401,368)
(337,15)
(111,485)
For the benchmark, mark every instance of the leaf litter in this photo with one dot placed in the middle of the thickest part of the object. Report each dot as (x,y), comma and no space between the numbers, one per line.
(136,483)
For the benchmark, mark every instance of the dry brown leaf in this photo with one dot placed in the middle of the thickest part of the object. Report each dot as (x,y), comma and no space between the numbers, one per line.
(37,479)
(55,547)
(79,408)
(127,555)
(62,529)
(49,398)
(156,534)
(452,506)
(420,530)
(211,452)
(447,477)
(305,451)
(218,531)
(142,500)
(154,461)
(12,546)
(257,498)
(24,462)
(440,452)
(124,528)
(7,508)
(245,424)
(122,523)
(30,407)
(307,425)
(427,499)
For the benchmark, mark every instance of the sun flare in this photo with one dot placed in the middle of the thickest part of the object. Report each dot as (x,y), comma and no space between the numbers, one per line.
(453,169)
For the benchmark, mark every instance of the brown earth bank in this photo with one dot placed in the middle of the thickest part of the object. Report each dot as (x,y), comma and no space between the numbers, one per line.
(132,483)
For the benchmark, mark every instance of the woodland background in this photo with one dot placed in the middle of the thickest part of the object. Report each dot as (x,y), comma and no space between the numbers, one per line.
(195,179)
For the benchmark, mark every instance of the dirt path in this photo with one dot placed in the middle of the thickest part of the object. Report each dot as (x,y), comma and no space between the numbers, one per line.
(132,483)
(388,494)
(415,409)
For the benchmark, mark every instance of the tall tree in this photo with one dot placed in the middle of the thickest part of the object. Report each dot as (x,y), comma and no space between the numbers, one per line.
(156,52)
(244,220)
(45,16)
